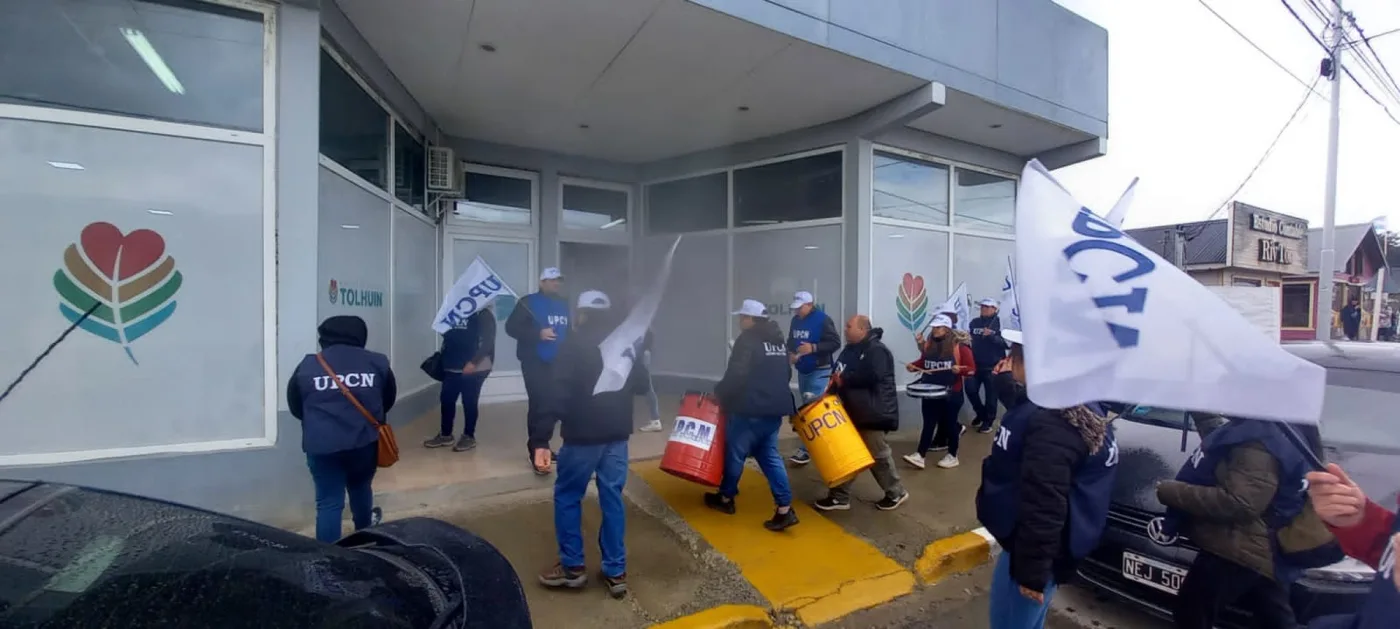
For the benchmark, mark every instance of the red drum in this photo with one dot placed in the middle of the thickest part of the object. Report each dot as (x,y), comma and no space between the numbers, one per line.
(695,451)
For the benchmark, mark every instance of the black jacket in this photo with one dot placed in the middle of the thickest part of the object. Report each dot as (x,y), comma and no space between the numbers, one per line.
(987,349)
(472,342)
(755,383)
(584,418)
(867,386)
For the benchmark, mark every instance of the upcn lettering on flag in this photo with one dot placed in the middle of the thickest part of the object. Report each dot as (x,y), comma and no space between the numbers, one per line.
(475,289)
(1105,318)
(621,348)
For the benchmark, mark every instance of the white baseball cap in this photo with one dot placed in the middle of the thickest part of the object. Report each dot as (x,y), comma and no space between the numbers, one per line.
(988,302)
(940,321)
(800,299)
(752,308)
(551,273)
(594,300)
(1012,335)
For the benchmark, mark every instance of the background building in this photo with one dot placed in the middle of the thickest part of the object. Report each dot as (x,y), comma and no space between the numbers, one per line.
(1251,246)
(1361,268)
(223,174)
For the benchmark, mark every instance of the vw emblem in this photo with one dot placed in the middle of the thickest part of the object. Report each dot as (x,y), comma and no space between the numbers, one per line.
(1157,533)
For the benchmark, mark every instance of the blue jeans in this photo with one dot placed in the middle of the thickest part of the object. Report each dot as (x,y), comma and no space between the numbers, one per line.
(575,465)
(815,384)
(468,387)
(756,437)
(1011,610)
(336,474)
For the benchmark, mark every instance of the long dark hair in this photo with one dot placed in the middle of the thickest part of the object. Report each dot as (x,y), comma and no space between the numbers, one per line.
(946,347)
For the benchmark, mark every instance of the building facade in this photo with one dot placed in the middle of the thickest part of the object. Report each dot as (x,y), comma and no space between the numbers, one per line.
(1361,269)
(200,182)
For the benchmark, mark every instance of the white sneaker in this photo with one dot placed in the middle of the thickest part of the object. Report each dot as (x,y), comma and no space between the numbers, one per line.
(916,459)
(948,462)
(651,426)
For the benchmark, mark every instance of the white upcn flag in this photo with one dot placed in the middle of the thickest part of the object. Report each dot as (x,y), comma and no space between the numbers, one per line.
(621,348)
(957,302)
(1105,318)
(1120,209)
(1009,311)
(475,289)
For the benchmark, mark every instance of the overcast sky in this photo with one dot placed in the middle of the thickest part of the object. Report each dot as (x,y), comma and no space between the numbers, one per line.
(1192,107)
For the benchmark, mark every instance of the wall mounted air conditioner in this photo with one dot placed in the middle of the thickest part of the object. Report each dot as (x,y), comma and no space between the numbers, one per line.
(444,173)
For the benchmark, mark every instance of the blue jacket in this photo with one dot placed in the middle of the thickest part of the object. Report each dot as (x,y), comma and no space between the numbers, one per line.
(533,313)
(817,328)
(987,350)
(329,422)
(473,339)
(1044,496)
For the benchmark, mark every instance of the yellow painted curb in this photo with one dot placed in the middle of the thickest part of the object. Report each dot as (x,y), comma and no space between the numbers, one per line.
(952,555)
(723,617)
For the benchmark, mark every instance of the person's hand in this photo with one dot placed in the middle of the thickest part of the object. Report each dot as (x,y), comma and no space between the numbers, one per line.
(1337,500)
(548,334)
(792,358)
(1002,366)
(543,459)
(986,331)
(1038,597)
(835,380)
(469,369)
(910,368)
(1395,548)
(919,338)
(805,348)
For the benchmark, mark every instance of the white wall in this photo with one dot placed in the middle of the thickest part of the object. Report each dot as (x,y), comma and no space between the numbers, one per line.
(352,259)
(415,298)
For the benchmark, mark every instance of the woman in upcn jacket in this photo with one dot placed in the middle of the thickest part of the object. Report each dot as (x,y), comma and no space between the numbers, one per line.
(944,362)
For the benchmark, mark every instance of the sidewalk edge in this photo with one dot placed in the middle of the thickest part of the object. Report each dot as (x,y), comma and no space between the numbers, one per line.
(722,617)
(952,555)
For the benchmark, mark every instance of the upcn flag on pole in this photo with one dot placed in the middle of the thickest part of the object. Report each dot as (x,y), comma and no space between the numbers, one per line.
(1107,319)
(1120,209)
(957,303)
(1010,310)
(621,347)
(475,289)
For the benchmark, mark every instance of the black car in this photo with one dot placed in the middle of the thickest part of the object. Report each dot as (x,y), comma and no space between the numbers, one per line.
(77,557)
(1360,431)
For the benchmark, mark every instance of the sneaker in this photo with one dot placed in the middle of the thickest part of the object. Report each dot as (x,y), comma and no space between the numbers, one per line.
(890,504)
(617,586)
(562,577)
(832,504)
(781,520)
(915,459)
(376,516)
(439,441)
(962,428)
(464,444)
(801,458)
(985,428)
(717,502)
(948,462)
(651,426)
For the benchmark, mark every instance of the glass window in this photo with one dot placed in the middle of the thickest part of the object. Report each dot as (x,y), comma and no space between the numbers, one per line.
(352,256)
(168,247)
(690,328)
(984,202)
(803,189)
(415,298)
(354,128)
(174,60)
(1297,305)
(510,260)
(771,265)
(688,205)
(409,168)
(586,207)
(910,190)
(497,199)
(909,280)
(981,263)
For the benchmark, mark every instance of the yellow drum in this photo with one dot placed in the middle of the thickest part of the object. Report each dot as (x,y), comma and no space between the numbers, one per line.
(833,441)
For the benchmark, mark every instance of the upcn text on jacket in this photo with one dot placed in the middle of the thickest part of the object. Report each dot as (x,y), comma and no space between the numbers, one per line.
(755,382)
(329,422)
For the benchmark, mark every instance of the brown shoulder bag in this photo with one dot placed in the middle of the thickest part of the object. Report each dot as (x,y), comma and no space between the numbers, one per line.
(388,447)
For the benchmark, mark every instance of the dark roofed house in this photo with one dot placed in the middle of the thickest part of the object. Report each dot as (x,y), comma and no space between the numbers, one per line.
(1360,259)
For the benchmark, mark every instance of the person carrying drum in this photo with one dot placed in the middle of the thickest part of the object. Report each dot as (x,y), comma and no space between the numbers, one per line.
(754,394)
(864,380)
(812,342)
(988,348)
(944,363)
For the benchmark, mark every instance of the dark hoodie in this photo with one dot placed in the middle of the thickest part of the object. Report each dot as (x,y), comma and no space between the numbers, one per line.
(329,422)
(867,386)
(755,382)
(585,418)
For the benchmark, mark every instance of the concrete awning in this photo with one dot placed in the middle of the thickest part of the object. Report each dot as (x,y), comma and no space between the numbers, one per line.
(644,80)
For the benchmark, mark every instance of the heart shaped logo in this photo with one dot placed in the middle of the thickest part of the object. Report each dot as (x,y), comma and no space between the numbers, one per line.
(120,257)
(913,285)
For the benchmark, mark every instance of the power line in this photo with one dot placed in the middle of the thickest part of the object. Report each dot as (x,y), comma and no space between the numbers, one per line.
(1256,46)
(1366,41)
(1345,69)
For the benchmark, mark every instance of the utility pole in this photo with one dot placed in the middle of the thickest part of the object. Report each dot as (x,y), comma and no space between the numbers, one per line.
(1327,252)
(1174,245)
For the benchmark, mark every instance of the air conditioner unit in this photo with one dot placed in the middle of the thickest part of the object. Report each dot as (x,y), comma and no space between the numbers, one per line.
(444,173)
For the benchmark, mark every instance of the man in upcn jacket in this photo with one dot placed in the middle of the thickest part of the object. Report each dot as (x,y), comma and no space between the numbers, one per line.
(539,324)
(864,379)
(754,395)
(812,341)
(988,348)
(595,430)
(1046,487)
(1370,534)
(1242,501)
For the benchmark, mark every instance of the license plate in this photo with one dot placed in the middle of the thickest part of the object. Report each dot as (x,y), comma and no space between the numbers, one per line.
(1152,573)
